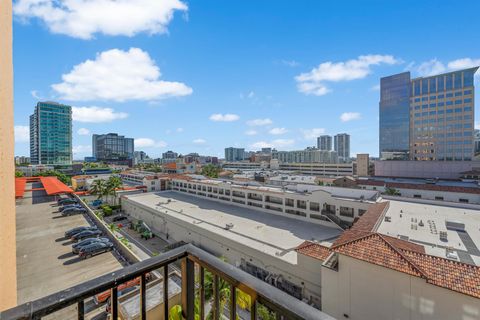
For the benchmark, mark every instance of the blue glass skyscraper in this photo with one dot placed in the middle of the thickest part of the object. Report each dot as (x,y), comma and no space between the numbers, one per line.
(51,134)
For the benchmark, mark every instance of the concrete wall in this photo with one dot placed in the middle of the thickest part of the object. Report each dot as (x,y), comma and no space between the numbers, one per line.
(424,169)
(364,291)
(8,262)
(301,274)
(430,195)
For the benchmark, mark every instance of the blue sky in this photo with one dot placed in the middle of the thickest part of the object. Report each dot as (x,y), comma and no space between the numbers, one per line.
(199,76)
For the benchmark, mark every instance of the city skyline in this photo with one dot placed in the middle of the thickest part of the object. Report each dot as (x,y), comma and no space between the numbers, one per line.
(183,101)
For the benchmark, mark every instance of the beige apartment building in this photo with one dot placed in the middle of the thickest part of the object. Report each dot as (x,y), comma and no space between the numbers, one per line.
(8,275)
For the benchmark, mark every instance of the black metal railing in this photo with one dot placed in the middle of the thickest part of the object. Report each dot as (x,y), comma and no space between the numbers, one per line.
(195,264)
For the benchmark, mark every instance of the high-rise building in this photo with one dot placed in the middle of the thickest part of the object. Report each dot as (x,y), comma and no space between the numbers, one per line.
(394,128)
(363,164)
(51,134)
(234,154)
(169,155)
(309,155)
(324,142)
(111,147)
(440,120)
(476,141)
(341,144)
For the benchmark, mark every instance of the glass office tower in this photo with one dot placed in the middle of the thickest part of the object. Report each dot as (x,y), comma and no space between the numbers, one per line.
(394,117)
(442,117)
(112,147)
(428,118)
(51,134)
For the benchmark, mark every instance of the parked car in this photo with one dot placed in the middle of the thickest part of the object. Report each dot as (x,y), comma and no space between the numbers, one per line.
(119,218)
(94,249)
(74,231)
(105,295)
(119,294)
(86,234)
(96,203)
(65,201)
(79,245)
(74,210)
(68,206)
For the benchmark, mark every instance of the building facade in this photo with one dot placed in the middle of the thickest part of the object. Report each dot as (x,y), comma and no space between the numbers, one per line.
(51,134)
(324,142)
(309,155)
(476,141)
(363,164)
(234,154)
(112,147)
(341,144)
(440,121)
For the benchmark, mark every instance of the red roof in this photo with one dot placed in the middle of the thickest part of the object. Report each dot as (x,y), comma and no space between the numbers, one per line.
(20,184)
(313,250)
(54,186)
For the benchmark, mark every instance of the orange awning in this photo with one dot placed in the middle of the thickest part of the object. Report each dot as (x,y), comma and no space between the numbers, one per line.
(20,184)
(54,186)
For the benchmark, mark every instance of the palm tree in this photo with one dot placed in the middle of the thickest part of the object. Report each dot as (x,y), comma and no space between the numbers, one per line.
(113,184)
(98,188)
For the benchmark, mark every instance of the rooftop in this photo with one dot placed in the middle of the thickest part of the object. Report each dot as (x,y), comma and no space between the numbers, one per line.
(405,218)
(268,233)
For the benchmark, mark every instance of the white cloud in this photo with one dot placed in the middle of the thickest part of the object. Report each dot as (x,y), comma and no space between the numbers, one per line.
(179,130)
(259,122)
(227,117)
(149,143)
(96,114)
(119,76)
(278,131)
(199,141)
(434,66)
(313,82)
(85,18)
(22,133)
(309,134)
(35,94)
(251,94)
(290,63)
(429,68)
(251,132)
(83,131)
(278,143)
(81,150)
(349,116)
(477,125)
(375,88)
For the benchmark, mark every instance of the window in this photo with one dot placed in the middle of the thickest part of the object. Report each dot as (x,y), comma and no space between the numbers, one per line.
(463,200)
(457,94)
(458,101)
(439,198)
(468,100)
(466,92)
(347,212)
(458,80)
(449,95)
(419,196)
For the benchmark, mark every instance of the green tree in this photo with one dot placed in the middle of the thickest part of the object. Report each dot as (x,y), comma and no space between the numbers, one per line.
(391,191)
(60,175)
(19,174)
(211,171)
(98,188)
(113,183)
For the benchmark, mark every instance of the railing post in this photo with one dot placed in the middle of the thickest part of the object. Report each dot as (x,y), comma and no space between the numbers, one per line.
(80,310)
(165,293)
(202,293)
(253,309)
(216,299)
(188,289)
(143,297)
(114,303)
(233,302)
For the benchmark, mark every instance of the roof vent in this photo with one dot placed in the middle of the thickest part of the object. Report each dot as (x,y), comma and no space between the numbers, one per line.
(228,226)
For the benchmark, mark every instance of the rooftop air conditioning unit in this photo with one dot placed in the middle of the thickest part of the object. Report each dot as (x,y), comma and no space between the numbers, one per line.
(228,226)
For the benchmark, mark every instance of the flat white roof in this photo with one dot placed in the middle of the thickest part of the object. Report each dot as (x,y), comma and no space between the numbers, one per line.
(269,233)
(405,222)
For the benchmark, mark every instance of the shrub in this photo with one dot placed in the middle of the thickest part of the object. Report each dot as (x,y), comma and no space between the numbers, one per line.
(107,210)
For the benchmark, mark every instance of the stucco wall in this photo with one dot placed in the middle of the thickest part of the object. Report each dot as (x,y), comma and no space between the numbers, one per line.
(364,291)
(8,274)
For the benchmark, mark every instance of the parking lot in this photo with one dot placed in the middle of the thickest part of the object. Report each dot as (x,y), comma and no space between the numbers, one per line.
(45,263)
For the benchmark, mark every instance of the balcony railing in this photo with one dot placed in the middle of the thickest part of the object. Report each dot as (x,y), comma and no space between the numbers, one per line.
(195,263)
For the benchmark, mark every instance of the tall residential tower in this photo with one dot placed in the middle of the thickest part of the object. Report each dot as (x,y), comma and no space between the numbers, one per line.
(51,134)
(324,142)
(427,118)
(341,144)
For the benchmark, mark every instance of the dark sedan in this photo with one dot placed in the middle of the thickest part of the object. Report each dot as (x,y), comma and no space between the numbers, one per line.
(74,231)
(94,249)
(86,234)
(74,210)
(79,245)
(68,206)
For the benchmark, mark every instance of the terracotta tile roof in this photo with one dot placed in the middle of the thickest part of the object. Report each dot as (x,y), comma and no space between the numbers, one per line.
(314,250)
(171,165)
(364,243)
